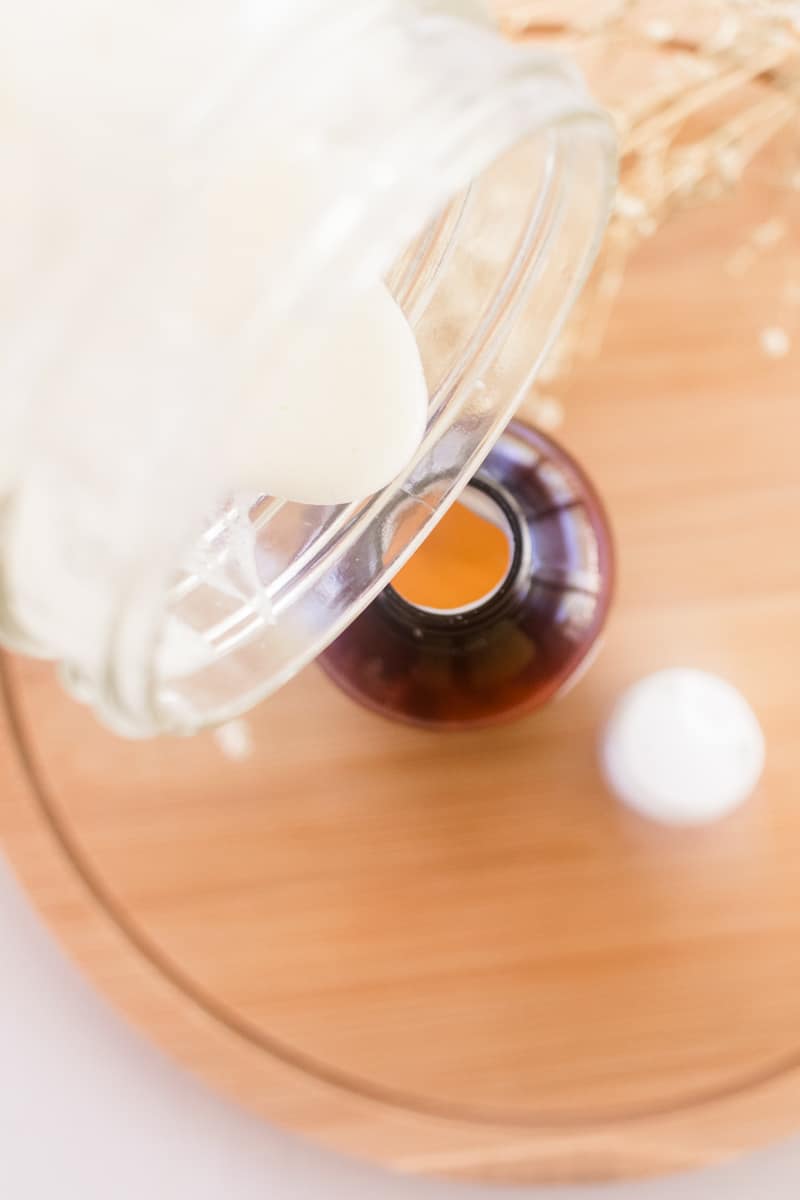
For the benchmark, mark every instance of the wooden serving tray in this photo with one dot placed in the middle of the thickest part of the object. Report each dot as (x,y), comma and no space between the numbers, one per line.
(454,953)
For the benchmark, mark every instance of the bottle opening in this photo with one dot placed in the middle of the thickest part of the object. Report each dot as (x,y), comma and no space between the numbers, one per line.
(463,562)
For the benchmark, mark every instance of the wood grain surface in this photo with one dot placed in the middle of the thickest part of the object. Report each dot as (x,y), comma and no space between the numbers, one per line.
(453,953)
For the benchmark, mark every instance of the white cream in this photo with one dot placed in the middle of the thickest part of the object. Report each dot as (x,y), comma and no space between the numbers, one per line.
(144,229)
(352,414)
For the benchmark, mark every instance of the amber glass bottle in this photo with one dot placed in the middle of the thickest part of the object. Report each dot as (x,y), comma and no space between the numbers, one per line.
(503,653)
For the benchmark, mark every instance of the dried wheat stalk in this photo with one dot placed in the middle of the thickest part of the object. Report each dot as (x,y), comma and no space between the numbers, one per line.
(696,88)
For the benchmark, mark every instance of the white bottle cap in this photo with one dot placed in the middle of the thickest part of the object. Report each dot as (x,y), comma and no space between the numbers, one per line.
(683,747)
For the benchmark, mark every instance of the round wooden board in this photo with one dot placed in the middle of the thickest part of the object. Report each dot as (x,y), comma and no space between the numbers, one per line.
(453,953)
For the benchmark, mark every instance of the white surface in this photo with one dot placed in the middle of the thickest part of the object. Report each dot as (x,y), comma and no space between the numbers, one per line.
(90,1111)
(683,747)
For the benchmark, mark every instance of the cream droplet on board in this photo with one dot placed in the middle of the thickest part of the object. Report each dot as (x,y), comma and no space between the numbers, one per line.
(235,740)
(352,414)
(775,342)
(683,747)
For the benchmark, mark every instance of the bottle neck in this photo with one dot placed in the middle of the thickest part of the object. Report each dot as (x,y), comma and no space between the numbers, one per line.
(504,600)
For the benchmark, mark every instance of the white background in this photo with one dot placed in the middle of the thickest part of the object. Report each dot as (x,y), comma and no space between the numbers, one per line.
(91,1111)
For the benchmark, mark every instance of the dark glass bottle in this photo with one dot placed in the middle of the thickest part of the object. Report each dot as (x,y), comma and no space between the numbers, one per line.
(513,650)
